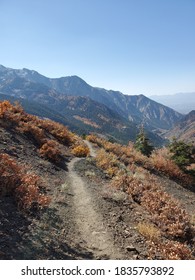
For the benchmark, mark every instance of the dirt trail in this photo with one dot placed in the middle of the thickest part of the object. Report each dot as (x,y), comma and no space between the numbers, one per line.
(92,150)
(91,226)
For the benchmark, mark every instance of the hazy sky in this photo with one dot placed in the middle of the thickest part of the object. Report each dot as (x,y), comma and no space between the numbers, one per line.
(135,46)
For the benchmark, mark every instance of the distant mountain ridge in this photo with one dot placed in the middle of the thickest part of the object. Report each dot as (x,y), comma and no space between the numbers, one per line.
(55,93)
(185,129)
(181,102)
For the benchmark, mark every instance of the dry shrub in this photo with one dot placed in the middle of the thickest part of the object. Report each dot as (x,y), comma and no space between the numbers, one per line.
(4,107)
(34,127)
(28,193)
(92,138)
(160,160)
(108,162)
(50,150)
(9,174)
(26,188)
(170,250)
(168,214)
(149,231)
(81,151)
(33,131)
(59,131)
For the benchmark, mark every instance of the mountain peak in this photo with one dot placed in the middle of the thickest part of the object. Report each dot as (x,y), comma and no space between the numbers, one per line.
(137,108)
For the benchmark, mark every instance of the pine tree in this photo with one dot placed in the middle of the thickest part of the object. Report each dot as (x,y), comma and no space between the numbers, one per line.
(182,153)
(142,143)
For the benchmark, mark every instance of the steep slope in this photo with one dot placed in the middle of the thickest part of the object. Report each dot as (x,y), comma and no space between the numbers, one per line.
(139,108)
(83,116)
(86,214)
(185,129)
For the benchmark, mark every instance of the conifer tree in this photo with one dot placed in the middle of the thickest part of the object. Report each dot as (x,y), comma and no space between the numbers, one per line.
(183,154)
(142,143)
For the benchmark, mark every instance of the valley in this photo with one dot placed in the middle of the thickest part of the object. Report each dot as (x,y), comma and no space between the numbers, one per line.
(78,105)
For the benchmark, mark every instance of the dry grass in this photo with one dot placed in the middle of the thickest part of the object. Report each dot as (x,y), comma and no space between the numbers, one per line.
(149,231)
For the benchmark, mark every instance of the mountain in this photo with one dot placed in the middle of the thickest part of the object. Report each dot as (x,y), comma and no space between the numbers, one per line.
(181,102)
(185,129)
(117,111)
(75,113)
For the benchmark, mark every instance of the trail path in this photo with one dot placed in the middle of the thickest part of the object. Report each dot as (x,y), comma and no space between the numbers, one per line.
(91,226)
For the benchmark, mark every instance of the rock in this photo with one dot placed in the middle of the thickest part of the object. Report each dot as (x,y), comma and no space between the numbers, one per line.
(136,257)
(131,248)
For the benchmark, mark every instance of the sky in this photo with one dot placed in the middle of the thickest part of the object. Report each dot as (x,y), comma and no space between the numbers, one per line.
(134,46)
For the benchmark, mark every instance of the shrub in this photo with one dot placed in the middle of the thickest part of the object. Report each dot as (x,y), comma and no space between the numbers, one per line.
(9,174)
(142,143)
(149,231)
(33,131)
(59,131)
(28,193)
(170,250)
(108,162)
(80,151)
(25,188)
(50,150)
(182,153)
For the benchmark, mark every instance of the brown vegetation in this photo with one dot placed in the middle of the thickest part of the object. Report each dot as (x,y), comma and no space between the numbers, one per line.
(26,188)
(130,172)
(48,136)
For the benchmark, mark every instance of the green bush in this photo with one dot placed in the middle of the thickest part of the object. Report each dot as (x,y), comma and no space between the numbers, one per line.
(142,144)
(182,153)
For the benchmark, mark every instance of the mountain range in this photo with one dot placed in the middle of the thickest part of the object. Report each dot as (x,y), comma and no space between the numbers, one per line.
(85,108)
(181,102)
(185,129)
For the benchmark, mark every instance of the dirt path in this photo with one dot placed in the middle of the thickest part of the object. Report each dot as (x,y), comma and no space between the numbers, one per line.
(91,148)
(91,226)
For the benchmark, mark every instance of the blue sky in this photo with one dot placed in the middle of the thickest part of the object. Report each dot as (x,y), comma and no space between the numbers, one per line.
(134,46)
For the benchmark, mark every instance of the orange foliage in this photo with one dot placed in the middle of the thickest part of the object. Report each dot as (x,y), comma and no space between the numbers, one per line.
(28,193)
(80,151)
(9,174)
(32,126)
(50,150)
(108,162)
(26,188)
(170,250)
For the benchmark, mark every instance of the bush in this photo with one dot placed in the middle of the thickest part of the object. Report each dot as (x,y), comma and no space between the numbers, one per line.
(142,144)
(182,153)
(25,188)
(81,151)
(50,150)
(9,174)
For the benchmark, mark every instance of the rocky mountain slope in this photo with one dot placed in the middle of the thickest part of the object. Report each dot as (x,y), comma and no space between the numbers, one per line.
(76,113)
(185,129)
(34,86)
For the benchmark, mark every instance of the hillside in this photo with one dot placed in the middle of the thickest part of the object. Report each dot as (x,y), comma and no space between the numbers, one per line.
(131,206)
(185,129)
(34,86)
